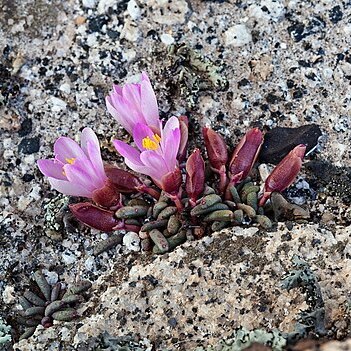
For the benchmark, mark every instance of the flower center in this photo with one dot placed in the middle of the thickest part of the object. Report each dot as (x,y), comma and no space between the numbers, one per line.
(150,144)
(70,160)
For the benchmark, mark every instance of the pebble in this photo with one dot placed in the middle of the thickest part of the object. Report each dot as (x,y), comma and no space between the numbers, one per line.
(26,127)
(57,104)
(238,35)
(80,20)
(66,88)
(89,263)
(132,241)
(104,5)
(167,39)
(51,276)
(29,145)
(133,9)
(89,3)
(273,150)
(8,294)
(68,257)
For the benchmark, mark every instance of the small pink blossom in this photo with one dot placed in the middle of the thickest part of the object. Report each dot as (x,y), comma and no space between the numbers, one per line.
(75,170)
(157,154)
(134,104)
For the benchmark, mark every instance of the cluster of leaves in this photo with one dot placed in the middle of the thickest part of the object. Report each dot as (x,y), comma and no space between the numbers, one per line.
(49,303)
(202,200)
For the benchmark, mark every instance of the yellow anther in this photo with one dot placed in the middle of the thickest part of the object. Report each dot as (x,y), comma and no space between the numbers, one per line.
(157,138)
(70,160)
(149,144)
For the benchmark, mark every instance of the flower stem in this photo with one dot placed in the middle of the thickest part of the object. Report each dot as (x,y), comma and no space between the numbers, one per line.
(223,180)
(151,191)
(176,198)
(178,203)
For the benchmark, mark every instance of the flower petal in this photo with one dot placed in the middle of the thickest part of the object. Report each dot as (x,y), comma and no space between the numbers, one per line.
(67,188)
(66,149)
(148,104)
(171,148)
(171,124)
(51,168)
(88,136)
(141,131)
(128,152)
(91,147)
(79,175)
(117,89)
(155,163)
(139,168)
(170,141)
(116,107)
(131,93)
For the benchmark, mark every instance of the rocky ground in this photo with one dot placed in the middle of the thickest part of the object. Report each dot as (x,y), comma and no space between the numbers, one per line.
(260,63)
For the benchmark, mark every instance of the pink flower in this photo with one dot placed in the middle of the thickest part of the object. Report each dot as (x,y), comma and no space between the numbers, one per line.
(76,170)
(133,104)
(157,154)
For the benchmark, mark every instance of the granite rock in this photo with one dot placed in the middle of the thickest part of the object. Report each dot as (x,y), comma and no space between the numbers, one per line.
(285,63)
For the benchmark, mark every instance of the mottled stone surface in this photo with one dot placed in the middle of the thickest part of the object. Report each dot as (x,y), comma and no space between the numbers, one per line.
(202,291)
(287,63)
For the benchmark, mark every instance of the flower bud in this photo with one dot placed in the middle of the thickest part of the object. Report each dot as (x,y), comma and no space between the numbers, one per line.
(284,174)
(183,125)
(124,181)
(94,216)
(216,149)
(195,175)
(107,196)
(171,182)
(245,155)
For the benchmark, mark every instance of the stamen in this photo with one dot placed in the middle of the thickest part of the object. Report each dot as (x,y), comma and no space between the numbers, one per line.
(151,144)
(157,138)
(70,160)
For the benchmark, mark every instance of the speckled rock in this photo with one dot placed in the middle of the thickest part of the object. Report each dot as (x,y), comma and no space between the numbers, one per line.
(201,292)
(238,35)
(289,66)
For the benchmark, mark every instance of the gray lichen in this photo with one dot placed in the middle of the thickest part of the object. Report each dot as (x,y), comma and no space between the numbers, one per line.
(243,338)
(107,342)
(312,319)
(5,333)
(58,218)
(194,72)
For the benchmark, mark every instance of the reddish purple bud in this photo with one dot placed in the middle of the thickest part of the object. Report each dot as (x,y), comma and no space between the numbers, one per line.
(94,216)
(195,175)
(107,196)
(124,181)
(184,131)
(245,155)
(171,182)
(216,149)
(284,174)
